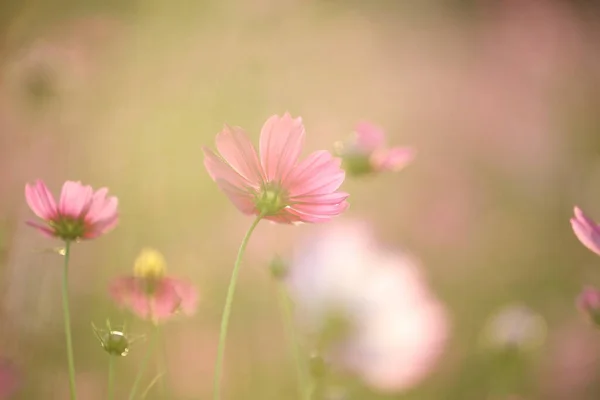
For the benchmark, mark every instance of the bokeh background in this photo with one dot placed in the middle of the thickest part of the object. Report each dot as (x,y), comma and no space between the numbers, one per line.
(500,98)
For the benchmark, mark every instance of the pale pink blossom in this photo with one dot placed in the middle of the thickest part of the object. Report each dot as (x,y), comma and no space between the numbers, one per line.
(150,294)
(586,230)
(156,300)
(81,212)
(276,184)
(367,152)
(395,329)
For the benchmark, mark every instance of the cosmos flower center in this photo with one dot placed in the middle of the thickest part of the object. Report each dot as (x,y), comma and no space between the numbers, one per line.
(271,199)
(68,228)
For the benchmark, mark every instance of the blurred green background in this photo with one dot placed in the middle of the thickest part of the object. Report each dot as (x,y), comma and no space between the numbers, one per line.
(499,98)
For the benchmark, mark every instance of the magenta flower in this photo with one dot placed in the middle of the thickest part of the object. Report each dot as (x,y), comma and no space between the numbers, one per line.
(150,294)
(276,185)
(588,301)
(81,213)
(586,230)
(366,153)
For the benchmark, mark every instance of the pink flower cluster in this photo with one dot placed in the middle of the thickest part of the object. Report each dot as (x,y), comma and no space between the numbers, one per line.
(271,183)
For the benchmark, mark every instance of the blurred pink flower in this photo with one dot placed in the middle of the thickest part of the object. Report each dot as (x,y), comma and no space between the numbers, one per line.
(9,380)
(276,185)
(150,294)
(588,302)
(395,329)
(586,230)
(367,153)
(81,213)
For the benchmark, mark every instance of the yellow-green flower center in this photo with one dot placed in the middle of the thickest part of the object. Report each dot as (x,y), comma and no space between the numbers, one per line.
(270,199)
(68,228)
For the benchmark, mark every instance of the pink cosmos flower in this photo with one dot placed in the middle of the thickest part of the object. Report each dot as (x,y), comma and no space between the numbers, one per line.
(150,294)
(276,184)
(367,152)
(81,213)
(586,230)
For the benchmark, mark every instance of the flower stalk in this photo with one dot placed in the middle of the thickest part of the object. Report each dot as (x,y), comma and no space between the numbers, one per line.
(227,309)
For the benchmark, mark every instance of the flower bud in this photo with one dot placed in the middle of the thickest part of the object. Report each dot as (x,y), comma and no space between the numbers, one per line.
(150,264)
(278,268)
(317,366)
(588,301)
(115,343)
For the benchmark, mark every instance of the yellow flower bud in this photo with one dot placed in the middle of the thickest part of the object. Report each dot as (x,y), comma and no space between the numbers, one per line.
(150,264)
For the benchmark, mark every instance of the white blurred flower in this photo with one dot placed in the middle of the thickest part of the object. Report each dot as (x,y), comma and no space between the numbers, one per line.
(397,329)
(515,326)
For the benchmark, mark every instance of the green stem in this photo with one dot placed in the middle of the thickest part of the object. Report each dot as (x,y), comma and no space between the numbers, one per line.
(67,318)
(143,366)
(111,376)
(284,301)
(162,358)
(227,310)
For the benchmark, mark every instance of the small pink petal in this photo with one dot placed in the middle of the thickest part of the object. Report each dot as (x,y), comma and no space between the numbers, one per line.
(586,230)
(319,173)
(235,148)
(369,137)
(218,169)
(127,292)
(281,142)
(75,199)
(392,160)
(42,229)
(40,200)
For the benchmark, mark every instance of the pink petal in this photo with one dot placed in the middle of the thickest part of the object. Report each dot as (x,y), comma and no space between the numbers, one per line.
(281,142)
(127,292)
(102,209)
(42,228)
(369,137)
(319,173)
(330,198)
(237,188)
(238,151)
(75,198)
(392,160)
(186,293)
(320,210)
(40,200)
(220,170)
(588,237)
(309,218)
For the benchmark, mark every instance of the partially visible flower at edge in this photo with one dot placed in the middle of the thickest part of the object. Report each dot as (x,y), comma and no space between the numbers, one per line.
(366,152)
(152,295)
(588,302)
(276,185)
(81,213)
(586,230)
(9,379)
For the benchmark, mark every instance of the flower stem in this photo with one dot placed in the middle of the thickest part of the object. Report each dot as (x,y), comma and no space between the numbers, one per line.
(144,364)
(284,301)
(111,376)
(67,318)
(162,359)
(227,310)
